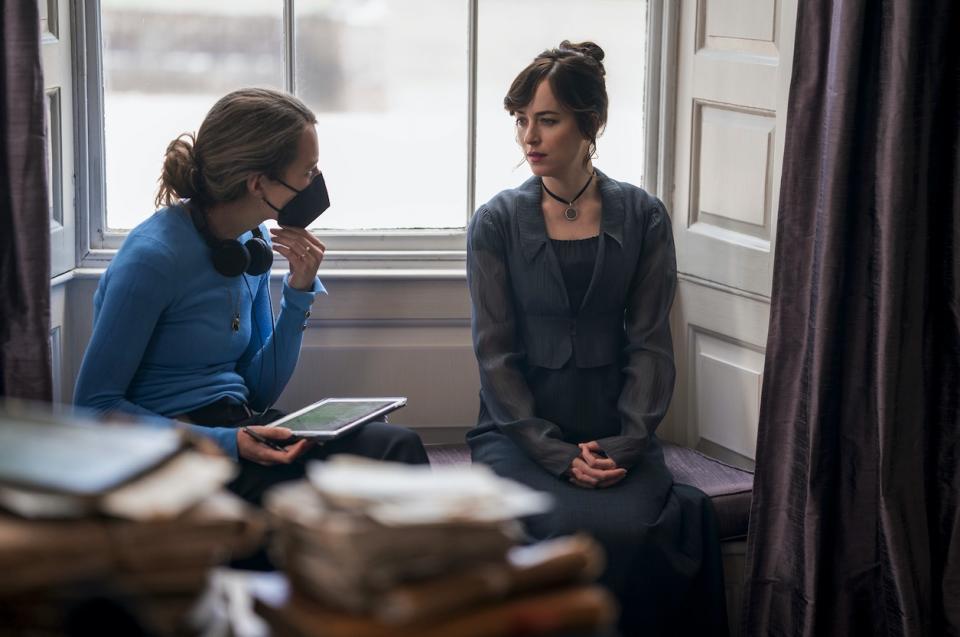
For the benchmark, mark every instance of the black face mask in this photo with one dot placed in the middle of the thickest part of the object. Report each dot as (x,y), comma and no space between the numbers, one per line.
(306,205)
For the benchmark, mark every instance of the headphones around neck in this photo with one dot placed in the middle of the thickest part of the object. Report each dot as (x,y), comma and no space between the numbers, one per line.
(229,256)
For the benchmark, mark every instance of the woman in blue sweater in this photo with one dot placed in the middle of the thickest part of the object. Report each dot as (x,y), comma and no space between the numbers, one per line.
(183,326)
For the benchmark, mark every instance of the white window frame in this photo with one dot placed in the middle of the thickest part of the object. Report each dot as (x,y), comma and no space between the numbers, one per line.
(354,252)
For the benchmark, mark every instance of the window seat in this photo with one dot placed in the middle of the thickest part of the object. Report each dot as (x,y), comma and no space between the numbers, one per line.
(728,487)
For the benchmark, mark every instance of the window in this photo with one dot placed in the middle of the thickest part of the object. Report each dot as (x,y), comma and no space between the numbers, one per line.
(408,94)
(164,65)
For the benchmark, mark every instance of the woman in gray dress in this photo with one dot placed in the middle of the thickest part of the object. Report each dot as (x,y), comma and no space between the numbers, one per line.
(572,276)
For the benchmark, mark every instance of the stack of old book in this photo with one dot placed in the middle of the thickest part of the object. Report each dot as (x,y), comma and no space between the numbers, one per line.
(375,549)
(132,514)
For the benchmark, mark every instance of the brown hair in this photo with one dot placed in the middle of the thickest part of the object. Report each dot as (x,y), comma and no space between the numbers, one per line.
(576,75)
(253,130)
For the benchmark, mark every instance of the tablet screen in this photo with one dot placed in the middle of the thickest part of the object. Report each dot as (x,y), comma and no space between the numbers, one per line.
(332,415)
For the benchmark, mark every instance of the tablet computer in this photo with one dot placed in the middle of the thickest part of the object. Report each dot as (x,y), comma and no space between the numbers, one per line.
(333,417)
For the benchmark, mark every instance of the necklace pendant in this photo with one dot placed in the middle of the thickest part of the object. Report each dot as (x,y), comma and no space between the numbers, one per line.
(570,213)
(235,323)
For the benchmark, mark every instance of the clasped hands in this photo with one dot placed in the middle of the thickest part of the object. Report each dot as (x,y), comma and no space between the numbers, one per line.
(592,469)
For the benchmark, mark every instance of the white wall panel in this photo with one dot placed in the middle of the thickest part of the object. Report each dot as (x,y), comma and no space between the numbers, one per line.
(739,25)
(58,345)
(742,20)
(733,155)
(58,112)
(734,62)
(719,339)
(733,83)
(49,19)
(726,377)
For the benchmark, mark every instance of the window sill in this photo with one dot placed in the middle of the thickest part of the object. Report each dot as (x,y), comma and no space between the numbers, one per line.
(425,241)
(401,253)
(393,265)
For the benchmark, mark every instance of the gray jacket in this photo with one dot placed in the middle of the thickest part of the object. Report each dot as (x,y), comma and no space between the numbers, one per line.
(522,318)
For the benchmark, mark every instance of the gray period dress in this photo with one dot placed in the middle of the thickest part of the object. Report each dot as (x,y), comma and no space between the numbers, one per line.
(573,344)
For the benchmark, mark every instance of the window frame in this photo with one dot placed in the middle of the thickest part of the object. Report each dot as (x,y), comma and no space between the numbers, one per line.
(353,252)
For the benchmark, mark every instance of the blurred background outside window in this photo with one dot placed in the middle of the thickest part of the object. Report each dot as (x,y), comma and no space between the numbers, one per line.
(388,79)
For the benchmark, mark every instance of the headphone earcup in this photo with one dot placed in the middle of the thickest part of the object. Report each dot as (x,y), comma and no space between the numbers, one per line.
(230,257)
(261,256)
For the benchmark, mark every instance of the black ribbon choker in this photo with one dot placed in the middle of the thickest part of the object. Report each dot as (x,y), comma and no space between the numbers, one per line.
(571,213)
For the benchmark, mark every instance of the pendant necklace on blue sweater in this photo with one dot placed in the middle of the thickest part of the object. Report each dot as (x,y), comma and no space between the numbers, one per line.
(235,301)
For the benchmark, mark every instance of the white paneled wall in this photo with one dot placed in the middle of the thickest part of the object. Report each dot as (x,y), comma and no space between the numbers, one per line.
(55,43)
(58,343)
(733,66)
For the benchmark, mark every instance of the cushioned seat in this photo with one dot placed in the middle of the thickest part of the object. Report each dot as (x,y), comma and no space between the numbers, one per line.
(728,487)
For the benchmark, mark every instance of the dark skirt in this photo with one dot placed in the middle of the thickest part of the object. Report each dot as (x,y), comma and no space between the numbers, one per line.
(663,550)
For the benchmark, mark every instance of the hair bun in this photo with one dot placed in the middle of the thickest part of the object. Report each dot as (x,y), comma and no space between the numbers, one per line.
(180,177)
(589,49)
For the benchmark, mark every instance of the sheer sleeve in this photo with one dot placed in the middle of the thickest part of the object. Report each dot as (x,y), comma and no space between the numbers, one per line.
(503,388)
(649,371)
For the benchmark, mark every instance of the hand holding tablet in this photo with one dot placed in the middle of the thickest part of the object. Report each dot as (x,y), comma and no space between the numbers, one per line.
(331,418)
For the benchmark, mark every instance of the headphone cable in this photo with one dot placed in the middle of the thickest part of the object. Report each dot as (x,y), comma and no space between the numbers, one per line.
(273,338)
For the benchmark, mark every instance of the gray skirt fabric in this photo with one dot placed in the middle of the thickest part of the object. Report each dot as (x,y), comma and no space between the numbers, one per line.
(661,539)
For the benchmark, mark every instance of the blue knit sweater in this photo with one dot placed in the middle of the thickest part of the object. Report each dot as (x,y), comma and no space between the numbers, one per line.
(163,341)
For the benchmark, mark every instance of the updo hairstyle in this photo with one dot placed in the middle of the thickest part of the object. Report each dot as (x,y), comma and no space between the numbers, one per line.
(576,75)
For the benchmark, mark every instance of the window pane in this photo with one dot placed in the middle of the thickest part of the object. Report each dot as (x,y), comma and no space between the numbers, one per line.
(388,81)
(165,62)
(511,34)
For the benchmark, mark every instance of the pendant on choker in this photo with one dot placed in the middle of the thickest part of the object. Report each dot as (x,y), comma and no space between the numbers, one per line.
(570,212)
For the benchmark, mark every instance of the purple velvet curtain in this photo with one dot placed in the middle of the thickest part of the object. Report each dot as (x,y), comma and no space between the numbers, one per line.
(24,216)
(855,527)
